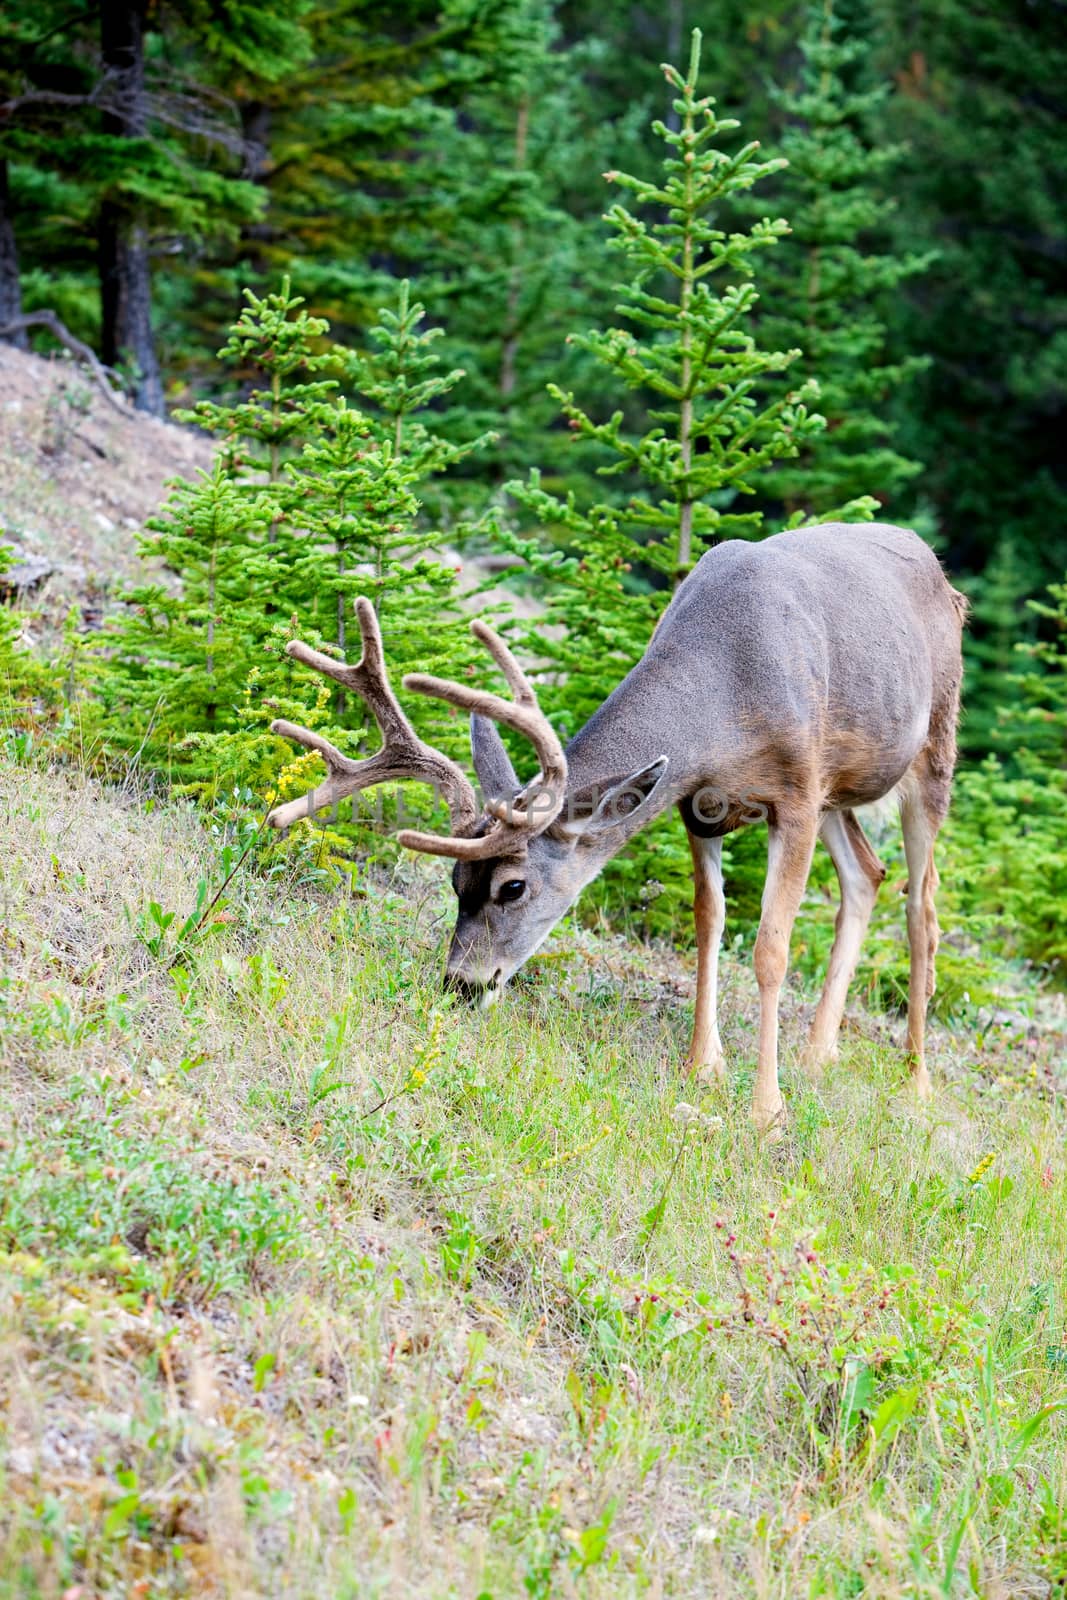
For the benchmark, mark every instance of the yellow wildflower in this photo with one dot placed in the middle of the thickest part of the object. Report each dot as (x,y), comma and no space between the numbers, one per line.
(982,1168)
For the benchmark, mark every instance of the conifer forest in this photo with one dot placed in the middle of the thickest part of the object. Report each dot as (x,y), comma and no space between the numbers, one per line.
(326,322)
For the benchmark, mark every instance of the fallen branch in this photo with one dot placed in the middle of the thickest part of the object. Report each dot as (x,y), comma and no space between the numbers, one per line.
(62,334)
(44,97)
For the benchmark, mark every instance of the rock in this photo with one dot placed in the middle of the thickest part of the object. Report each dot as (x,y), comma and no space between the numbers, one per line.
(21,1461)
(24,574)
(503,562)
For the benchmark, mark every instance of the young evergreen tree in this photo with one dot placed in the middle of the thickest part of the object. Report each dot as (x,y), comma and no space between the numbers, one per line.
(522,258)
(826,289)
(999,624)
(175,664)
(718,409)
(982,107)
(273,352)
(720,412)
(310,502)
(1007,864)
(357,487)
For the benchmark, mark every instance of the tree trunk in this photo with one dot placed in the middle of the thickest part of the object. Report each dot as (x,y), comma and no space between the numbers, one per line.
(10,293)
(122,240)
(256,120)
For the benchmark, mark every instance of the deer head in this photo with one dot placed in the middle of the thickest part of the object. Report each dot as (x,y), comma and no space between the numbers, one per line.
(522,856)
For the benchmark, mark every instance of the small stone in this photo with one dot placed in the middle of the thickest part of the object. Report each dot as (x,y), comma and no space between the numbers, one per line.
(26,572)
(21,1461)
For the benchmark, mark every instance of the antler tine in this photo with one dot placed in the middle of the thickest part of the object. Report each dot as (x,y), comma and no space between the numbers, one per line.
(403,753)
(524,714)
(339,768)
(516,679)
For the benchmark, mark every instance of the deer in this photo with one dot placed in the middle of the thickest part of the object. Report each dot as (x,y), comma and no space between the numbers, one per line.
(793,680)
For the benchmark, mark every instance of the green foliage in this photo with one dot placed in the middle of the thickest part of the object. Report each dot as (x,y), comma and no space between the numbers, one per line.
(30,688)
(1006,834)
(827,288)
(75,159)
(980,110)
(86,1199)
(718,413)
(344,133)
(853,1347)
(524,255)
(999,622)
(178,658)
(310,502)
(9,626)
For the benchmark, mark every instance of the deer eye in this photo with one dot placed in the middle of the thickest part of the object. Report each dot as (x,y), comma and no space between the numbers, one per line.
(512,890)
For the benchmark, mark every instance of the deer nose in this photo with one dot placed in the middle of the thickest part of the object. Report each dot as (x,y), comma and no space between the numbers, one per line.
(469,989)
(455,983)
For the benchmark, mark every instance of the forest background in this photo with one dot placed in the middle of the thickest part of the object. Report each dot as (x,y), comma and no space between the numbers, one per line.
(428,182)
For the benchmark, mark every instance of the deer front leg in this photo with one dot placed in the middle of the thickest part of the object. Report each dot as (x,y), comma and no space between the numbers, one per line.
(791,843)
(705,1057)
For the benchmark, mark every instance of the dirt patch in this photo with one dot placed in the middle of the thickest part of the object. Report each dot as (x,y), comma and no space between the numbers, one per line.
(78,477)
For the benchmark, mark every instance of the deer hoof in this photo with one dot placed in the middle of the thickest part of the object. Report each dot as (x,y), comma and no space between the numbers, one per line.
(816,1057)
(769,1122)
(711,1073)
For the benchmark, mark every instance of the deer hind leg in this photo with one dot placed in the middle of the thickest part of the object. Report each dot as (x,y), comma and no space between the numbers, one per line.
(791,843)
(859,873)
(923,804)
(705,1056)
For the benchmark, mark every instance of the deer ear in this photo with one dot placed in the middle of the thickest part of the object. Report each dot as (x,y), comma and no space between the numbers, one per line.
(600,808)
(492,764)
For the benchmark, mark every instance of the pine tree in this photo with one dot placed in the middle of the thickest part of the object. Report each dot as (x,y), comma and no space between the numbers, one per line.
(1006,864)
(999,624)
(311,501)
(175,663)
(719,414)
(718,410)
(117,142)
(826,289)
(357,485)
(273,351)
(517,266)
(342,148)
(982,107)
(44,89)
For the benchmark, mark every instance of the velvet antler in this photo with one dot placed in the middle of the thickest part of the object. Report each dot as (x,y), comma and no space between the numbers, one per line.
(404,755)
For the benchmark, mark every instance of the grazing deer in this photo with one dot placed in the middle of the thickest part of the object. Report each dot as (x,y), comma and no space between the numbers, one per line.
(793,679)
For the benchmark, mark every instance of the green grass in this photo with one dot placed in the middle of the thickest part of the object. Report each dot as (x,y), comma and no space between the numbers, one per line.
(314,1284)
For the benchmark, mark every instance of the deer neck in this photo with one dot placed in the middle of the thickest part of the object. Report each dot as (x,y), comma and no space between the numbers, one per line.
(638,723)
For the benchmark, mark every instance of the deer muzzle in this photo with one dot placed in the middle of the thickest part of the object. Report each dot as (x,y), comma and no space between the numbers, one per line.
(474,991)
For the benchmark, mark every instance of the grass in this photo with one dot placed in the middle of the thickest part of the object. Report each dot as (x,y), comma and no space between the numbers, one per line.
(314,1284)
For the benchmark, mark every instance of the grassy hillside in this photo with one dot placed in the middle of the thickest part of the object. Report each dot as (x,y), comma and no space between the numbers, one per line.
(313,1284)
